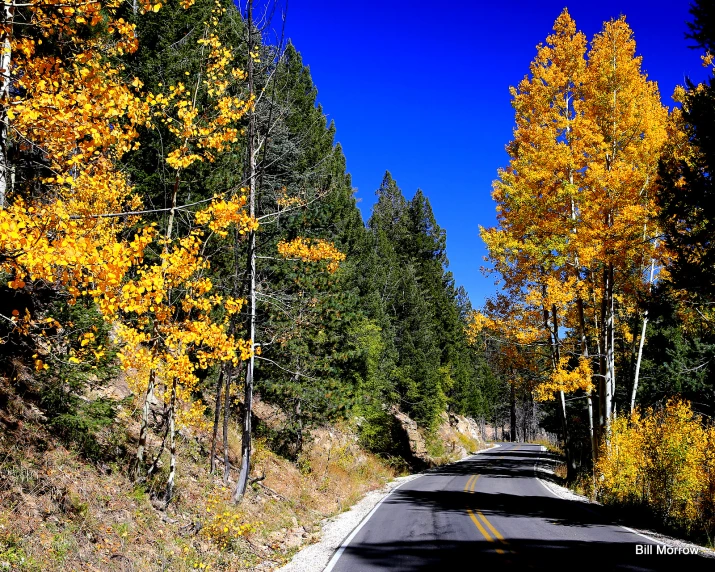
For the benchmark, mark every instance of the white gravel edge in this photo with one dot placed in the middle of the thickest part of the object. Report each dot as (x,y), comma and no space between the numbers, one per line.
(337,529)
(568,494)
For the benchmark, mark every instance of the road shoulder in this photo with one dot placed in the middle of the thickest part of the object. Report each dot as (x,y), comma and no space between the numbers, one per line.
(337,529)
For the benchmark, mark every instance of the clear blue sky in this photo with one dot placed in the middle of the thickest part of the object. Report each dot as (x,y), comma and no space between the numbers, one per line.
(421,89)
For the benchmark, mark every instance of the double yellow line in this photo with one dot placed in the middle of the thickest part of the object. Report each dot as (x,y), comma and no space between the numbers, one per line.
(480,521)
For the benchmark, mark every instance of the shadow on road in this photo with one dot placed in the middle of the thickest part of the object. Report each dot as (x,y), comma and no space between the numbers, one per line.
(555,510)
(614,549)
(520,554)
(506,464)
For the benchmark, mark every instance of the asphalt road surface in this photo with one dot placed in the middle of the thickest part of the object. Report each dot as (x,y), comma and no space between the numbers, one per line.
(490,512)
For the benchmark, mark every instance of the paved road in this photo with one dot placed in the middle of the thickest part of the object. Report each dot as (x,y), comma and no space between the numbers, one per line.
(490,512)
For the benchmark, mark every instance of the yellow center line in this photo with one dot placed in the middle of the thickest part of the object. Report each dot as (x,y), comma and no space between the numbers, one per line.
(469,487)
(466,487)
(480,527)
(495,532)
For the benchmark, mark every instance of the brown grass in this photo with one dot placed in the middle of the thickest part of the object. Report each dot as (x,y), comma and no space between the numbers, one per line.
(59,513)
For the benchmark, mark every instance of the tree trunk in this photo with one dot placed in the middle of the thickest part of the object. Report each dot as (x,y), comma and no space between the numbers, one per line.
(226,417)
(610,353)
(217,416)
(245,437)
(553,330)
(144,427)
(589,397)
(299,427)
(172,445)
(524,421)
(603,380)
(5,63)
(248,390)
(636,375)
(512,407)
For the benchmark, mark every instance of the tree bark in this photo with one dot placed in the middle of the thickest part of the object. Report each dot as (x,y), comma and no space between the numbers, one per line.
(248,389)
(5,63)
(610,353)
(226,416)
(217,416)
(553,331)
(512,407)
(148,398)
(636,375)
(589,397)
(172,445)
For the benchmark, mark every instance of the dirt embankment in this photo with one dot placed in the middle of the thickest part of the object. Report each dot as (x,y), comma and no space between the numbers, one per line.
(61,511)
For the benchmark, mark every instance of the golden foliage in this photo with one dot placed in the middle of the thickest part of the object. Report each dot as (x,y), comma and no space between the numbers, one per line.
(75,107)
(663,459)
(576,210)
(224,524)
(566,380)
(312,250)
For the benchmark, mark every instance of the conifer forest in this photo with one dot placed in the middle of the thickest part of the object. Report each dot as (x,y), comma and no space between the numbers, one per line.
(207,348)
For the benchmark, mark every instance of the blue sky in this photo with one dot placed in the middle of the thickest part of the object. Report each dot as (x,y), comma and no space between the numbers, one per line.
(422,89)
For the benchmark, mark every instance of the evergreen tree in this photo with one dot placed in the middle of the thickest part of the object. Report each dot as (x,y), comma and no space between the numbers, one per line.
(686,193)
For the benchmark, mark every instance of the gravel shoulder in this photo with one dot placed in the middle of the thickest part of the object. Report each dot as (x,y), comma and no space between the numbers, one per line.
(335,530)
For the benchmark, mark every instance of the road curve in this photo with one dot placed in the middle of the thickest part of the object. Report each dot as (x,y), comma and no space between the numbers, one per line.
(490,512)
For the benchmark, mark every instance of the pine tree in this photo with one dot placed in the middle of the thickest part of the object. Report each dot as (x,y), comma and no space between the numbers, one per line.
(686,194)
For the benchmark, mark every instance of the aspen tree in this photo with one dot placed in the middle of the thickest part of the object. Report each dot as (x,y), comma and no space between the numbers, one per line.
(575,207)
(537,193)
(623,110)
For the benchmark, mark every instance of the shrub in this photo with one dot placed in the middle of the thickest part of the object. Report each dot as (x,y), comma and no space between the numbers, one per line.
(664,461)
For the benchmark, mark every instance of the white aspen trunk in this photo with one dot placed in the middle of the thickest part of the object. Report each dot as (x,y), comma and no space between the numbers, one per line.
(217,416)
(589,397)
(553,330)
(248,390)
(611,351)
(608,342)
(5,62)
(172,444)
(226,416)
(636,376)
(512,411)
(144,426)
(604,381)
(149,397)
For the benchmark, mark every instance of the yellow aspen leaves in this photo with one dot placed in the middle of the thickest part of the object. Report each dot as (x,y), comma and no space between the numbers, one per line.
(576,209)
(83,114)
(312,250)
(222,213)
(566,379)
(663,459)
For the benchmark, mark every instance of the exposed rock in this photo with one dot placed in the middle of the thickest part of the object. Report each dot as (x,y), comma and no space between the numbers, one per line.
(455,432)
(414,436)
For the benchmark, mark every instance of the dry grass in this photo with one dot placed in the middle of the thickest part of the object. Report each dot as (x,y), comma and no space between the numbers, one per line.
(551,446)
(58,512)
